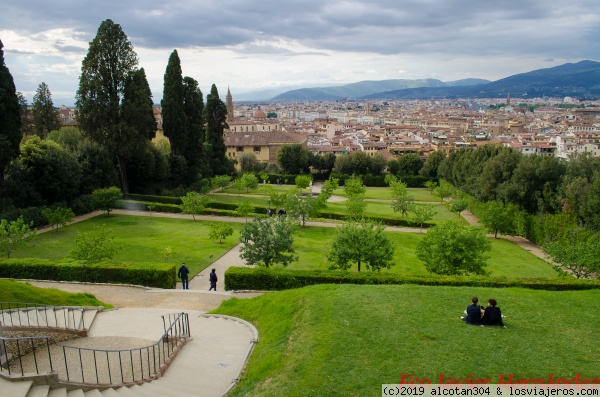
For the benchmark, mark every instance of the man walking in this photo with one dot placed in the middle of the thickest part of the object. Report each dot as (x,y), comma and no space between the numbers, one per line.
(213,280)
(183,275)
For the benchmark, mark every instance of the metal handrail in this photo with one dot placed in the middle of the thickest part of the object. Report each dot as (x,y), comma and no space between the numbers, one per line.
(7,309)
(114,364)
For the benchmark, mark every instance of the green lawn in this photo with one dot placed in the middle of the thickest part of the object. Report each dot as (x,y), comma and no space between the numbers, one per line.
(142,239)
(375,209)
(385,193)
(347,340)
(506,258)
(383,209)
(13,291)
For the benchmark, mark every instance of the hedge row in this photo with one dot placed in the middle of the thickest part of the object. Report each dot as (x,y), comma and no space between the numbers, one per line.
(153,198)
(262,279)
(149,274)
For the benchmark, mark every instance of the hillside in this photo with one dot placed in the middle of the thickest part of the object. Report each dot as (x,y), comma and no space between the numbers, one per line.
(367,87)
(580,80)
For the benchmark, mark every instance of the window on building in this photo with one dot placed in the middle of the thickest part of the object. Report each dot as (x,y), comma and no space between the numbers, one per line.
(257,149)
(239,149)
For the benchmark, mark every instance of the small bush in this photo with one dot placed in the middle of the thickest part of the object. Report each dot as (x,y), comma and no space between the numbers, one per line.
(149,274)
(239,278)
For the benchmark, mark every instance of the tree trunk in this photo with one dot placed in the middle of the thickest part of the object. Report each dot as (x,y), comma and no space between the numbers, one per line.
(359,266)
(123,174)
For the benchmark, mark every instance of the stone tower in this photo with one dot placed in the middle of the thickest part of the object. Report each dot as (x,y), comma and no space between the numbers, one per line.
(229,102)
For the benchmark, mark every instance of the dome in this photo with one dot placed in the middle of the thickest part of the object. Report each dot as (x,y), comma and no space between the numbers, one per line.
(258,114)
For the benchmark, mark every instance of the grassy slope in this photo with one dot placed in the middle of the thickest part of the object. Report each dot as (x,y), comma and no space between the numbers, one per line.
(142,239)
(347,340)
(13,291)
(506,258)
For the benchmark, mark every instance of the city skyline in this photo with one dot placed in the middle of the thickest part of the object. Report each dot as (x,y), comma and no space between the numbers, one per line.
(252,46)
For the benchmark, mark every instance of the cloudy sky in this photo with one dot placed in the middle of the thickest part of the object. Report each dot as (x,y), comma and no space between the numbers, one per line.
(263,44)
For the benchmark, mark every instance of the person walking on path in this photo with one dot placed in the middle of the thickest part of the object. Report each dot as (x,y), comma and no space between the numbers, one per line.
(183,275)
(213,280)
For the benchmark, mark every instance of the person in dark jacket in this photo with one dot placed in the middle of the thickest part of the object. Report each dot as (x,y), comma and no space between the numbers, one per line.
(492,315)
(473,313)
(183,275)
(213,280)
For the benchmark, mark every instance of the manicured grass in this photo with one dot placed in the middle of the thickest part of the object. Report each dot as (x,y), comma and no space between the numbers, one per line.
(347,340)
(13,291)
(385,193)
(383,209)
(507,259)
(142,239)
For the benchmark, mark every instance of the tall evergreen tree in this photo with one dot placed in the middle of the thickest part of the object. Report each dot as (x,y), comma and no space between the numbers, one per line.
(173,113)
(45,117)
(107,71)
(26,119)
(194,109)
(10,118)
(215,114)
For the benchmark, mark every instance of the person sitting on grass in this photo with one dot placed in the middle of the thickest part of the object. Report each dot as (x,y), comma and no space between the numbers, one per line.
(473,313)
(492,315)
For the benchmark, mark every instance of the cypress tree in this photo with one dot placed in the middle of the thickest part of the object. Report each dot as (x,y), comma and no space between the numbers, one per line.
(215,114)
(173,113)
(194,109)
(45,117)
(114,99)
(10,118)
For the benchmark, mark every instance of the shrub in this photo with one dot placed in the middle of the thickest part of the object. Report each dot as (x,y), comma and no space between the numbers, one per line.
(262,279)
(150,274)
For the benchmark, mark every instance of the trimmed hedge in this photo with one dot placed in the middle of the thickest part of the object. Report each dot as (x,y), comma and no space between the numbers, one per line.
(149,274)
(262,279)
(153,198)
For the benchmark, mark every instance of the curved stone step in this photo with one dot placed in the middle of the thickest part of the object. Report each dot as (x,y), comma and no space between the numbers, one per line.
(39,391)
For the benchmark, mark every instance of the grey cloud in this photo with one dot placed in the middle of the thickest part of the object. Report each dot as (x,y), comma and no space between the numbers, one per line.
(530,27)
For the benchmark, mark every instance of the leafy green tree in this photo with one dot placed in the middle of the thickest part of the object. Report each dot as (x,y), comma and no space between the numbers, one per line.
(409,164)
(54,173)
(303,181)
(248,182)
(362,242)
(268,241)
(303,207)
(431,185)
(221,181)
(576,252)
(193,105)
(219,231)
(354,186)
(94,246)
(497,217)
(328,188)
(15,234)
(110,87)
(323,162)
(451,248)
(106,199)
(432,164)
(355,207)
(393,167)
(402,201)
(422,213)
(443,191)
(59,216)
(245,209)
(10,118)
(293,159)
(264,177)
(247,162)
(194,204)
(173,107)
(591,215)
(458,205)
(26,117)
(215,116)
(45,117)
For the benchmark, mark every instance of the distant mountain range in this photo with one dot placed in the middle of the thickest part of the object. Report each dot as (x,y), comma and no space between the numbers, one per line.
(367,87)
(578,80)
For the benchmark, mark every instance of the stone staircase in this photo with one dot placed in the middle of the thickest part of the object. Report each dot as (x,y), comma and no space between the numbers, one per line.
(71,318)
(27,389)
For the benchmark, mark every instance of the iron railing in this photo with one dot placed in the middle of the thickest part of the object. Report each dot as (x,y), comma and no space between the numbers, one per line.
(19,314)
(96,366)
